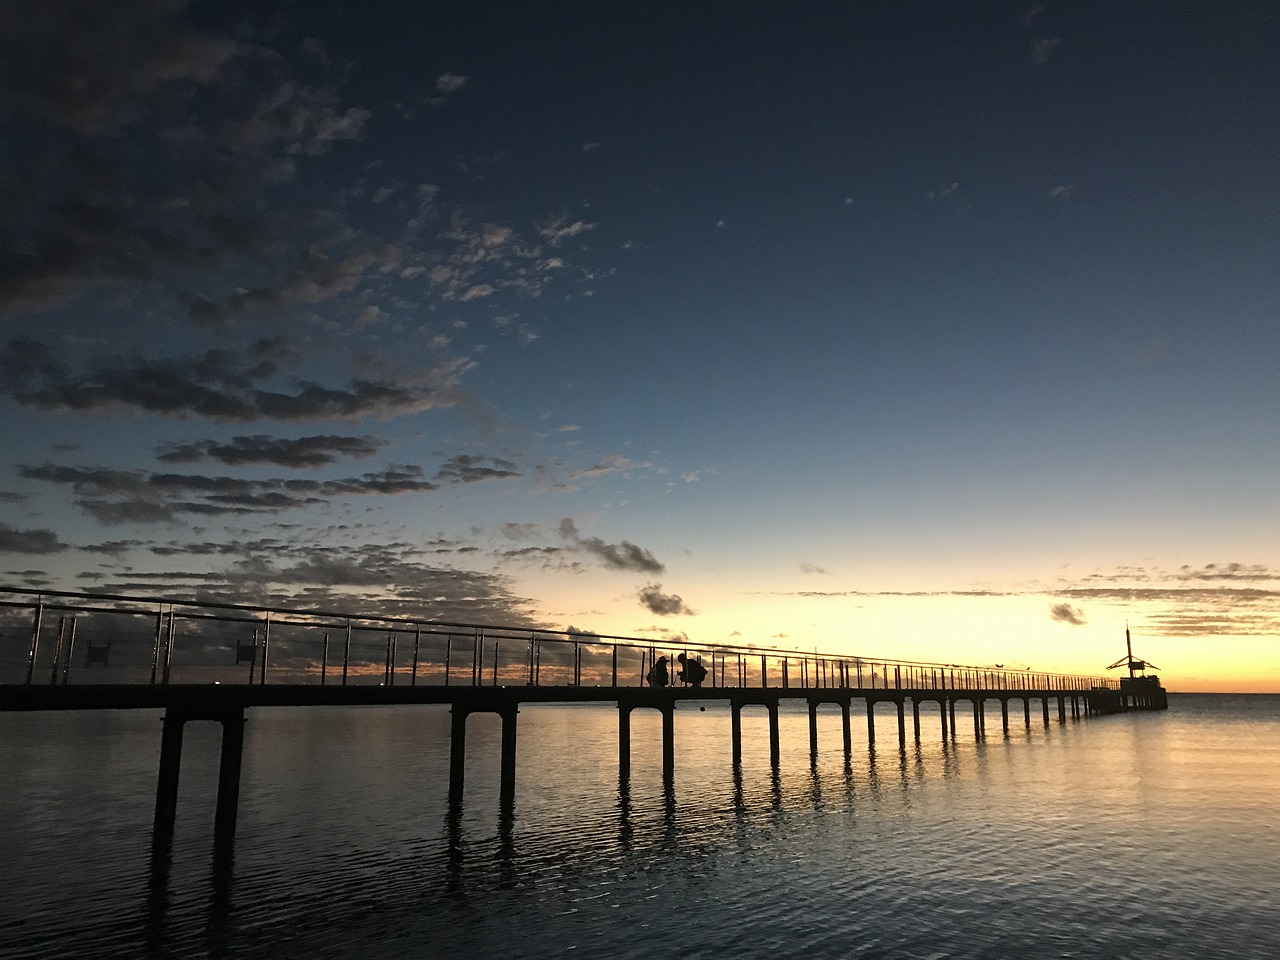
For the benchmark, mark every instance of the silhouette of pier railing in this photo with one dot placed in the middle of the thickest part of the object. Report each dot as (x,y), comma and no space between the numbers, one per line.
(211,661)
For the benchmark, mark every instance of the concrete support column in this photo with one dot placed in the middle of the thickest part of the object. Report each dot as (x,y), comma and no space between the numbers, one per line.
(915,717)
(668,742)
(735,720)
(951,712)
(902,725)
(774,750)
(1062,709)
(977,719)
(1044,704)
(1026,710)
(813,731)
(848,733)
(624,741)
(942,715)
(871,723)
(1004,714)
(457,752)
(170,762)
(507,788)
(224,818)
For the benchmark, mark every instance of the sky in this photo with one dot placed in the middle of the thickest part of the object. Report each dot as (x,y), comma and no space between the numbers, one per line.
(940,331)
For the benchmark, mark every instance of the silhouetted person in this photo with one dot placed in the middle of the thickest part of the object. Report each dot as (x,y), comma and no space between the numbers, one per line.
(691,671)
(658,673)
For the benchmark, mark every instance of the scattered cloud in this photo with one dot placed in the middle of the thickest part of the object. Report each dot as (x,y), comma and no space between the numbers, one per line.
(809,568)
(1066,613)
(619,556)
(465,468)
(663,604)
(301,453)
(450,82)
(559,230)
(220,385)
(14,540)
(137,496)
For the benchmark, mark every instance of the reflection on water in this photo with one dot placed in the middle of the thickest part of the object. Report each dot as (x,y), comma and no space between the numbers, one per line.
(1149,836)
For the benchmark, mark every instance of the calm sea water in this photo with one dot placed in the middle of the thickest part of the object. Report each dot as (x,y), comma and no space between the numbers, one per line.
(1154,835)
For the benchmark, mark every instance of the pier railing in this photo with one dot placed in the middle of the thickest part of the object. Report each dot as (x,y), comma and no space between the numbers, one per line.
(65,637)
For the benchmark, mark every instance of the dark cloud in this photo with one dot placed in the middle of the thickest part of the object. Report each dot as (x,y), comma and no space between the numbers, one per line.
(220,385)
(149,142)
(1066,613)
(663,604)
(302,453)
(616,556)
(465,468)
(14,540)
(318,278)
(811,568)
(124,496)
(393,580)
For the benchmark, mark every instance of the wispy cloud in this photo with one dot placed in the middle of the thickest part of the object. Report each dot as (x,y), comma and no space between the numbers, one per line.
(1041,49)
(450,82)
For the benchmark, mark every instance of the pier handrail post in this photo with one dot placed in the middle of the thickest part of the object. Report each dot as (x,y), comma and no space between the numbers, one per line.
(71,645)
(266,639)
(168,644)
(57,650)
(38,620)
(346,654)
(155,648)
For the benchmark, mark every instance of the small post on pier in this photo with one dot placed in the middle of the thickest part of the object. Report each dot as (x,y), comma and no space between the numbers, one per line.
(346,654)
(35,639)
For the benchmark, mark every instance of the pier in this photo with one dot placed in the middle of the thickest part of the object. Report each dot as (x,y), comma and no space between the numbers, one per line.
(214,662)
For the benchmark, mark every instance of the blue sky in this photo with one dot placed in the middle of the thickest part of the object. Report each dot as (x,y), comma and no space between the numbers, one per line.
(940,330)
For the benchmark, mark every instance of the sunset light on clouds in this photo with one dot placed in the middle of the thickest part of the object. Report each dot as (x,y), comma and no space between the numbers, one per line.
(940,332)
